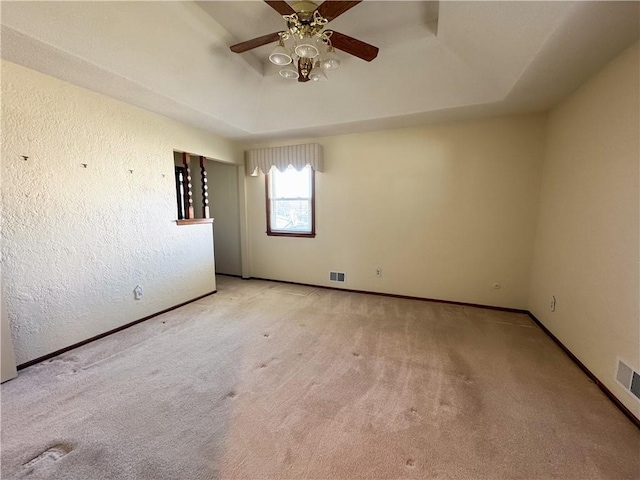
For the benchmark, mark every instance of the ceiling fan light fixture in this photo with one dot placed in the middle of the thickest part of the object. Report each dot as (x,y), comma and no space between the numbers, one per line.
(280,55)
(316,74)
(305,49)
(289,73)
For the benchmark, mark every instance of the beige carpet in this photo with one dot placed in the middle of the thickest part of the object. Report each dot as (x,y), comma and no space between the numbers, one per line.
(267,380)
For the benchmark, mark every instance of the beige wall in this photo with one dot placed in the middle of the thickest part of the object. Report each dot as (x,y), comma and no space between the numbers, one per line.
(76,241)
(445,211)
(587,245)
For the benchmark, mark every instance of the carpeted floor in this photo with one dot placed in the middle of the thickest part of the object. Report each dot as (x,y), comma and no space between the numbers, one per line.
(268,380)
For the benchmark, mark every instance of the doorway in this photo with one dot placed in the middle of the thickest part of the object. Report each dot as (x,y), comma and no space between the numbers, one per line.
(224,196)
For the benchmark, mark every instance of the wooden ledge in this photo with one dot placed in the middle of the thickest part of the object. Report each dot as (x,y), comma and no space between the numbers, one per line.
(291,234)
(194,221)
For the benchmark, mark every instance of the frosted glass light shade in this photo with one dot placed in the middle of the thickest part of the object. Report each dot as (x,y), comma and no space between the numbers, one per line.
(280,56)
(289,73)
(329,61)
(306,49)
(316,74)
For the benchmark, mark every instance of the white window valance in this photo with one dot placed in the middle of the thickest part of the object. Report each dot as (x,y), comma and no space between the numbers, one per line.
(297,156)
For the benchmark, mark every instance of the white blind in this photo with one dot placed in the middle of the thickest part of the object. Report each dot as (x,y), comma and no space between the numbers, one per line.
(297,156)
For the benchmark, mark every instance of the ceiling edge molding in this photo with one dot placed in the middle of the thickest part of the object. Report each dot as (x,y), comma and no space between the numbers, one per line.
(41,57)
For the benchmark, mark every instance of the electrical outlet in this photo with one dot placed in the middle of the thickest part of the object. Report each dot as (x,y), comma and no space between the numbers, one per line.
(137,292)
(378,272)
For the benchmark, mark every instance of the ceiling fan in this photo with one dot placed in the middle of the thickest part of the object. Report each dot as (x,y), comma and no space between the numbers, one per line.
(305,49)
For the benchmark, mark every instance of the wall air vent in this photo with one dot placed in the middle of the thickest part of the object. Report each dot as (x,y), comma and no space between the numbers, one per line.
(338,277)
(628,378)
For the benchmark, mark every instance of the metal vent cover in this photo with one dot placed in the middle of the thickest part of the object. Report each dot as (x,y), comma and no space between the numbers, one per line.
(635,385)
(338,277)
(628,378)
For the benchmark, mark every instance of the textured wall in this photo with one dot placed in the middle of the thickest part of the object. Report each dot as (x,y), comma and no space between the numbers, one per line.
(76,240)
(586,250)
(7,362)
(446,211)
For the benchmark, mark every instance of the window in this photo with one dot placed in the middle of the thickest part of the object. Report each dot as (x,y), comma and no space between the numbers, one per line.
(291,202)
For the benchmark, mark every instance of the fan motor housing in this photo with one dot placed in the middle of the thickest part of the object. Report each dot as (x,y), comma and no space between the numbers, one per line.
(304,9)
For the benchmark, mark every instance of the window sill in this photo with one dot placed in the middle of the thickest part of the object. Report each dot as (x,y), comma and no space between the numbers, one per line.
(194,221)
(297,235)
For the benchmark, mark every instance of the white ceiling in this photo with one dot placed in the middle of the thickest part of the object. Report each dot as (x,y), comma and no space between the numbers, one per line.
(438,61)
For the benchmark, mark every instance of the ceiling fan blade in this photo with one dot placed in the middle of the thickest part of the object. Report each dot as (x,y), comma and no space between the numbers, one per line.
(255,42)
(353,46)
(331,9)
(280,6)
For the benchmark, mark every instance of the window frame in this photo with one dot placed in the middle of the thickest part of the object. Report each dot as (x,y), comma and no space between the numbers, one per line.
(279,233)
